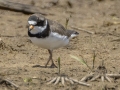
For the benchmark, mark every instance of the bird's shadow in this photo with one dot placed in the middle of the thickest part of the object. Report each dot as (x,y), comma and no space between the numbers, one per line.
(39,66)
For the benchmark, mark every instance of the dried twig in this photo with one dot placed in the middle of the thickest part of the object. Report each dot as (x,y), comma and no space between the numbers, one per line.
(8,83)
(11,83)
(90,32)
(7,4)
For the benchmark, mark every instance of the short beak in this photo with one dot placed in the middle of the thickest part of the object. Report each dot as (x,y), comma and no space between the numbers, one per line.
(31,27)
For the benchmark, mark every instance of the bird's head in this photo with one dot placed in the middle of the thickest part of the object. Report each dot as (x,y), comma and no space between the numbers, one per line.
(36,20)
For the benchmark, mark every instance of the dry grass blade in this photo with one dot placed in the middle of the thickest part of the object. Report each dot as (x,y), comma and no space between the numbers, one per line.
(57,80)
(74,80)
(71,81)
(52,81)
(81,60)
(82,83)
(94,78)
(66,24)
(114,75)
(67,21)
(85,84)
(86,77)
(66,78)
(108,79)
(102,78)
(63,81)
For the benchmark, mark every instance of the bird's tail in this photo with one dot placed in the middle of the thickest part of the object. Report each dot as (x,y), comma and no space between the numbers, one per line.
(72,33)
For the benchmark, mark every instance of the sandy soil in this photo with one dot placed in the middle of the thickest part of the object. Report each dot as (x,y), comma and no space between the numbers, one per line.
(18,55)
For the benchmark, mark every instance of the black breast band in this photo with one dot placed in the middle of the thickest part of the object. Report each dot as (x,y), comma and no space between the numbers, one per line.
(43,34)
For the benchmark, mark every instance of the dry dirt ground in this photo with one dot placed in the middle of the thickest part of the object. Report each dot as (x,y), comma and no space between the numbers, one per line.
(18,55)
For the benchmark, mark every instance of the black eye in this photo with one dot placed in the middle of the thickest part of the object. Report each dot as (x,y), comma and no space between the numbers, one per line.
(40,23)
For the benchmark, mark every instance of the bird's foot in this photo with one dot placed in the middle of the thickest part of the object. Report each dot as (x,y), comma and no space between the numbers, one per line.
(53,66)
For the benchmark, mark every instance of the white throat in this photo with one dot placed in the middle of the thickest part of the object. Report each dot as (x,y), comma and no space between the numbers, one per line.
(38,29)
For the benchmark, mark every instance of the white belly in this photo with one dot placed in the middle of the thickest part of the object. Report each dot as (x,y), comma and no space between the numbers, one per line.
(54,41)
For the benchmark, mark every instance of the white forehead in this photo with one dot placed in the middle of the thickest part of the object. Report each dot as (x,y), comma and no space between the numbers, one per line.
(32,22)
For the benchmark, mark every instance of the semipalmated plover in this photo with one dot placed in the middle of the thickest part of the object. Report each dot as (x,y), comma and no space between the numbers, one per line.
(48,34)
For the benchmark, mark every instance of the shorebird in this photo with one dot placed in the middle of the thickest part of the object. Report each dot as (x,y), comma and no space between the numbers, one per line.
(48,34)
